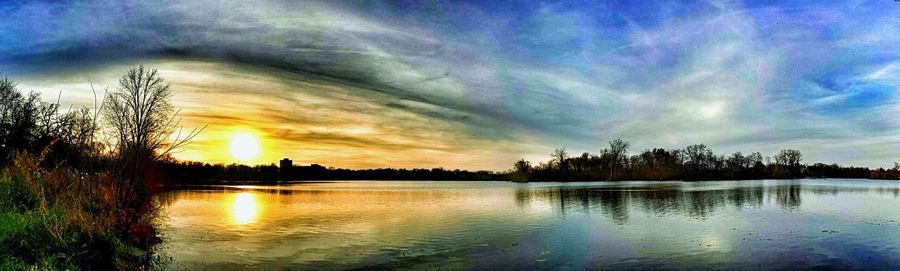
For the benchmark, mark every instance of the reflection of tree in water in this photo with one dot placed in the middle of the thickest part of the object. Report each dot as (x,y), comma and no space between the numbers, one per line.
(615,201)
(659,201)
(788,196)
(615,204)
(702,203)
(834,190)
(746,196)
(888,191)
(579,200)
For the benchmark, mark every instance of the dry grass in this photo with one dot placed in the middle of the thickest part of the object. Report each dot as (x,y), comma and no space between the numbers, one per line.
(70,219)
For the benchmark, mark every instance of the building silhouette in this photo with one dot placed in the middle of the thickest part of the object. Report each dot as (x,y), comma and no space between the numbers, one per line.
(284,167)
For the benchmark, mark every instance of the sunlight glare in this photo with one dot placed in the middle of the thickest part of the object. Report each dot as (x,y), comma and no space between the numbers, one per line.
(245,208)
(712,111)
(244,146)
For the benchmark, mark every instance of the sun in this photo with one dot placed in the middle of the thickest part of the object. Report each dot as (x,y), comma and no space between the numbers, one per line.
(244,146)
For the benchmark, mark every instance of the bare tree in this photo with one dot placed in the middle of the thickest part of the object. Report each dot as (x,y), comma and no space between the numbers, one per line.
(522,166)
(561,157)
(617,150)
(143,124)
(788,163)
(141,116)
(18,118)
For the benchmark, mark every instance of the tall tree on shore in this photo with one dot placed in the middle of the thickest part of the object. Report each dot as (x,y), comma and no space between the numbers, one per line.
(143,122)
(522,170)
(617,150)
(561,157)
(788,163)
(699,158)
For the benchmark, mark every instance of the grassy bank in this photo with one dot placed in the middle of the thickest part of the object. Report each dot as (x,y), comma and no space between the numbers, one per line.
(71,200)
(62,219)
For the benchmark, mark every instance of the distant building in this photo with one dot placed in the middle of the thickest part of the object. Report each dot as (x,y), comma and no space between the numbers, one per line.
(284,167)
(285,164)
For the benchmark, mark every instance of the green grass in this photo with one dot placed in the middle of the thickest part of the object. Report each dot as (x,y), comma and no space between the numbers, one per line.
(27,245)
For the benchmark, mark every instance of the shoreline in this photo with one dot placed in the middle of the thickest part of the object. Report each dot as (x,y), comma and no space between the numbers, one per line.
(229,182)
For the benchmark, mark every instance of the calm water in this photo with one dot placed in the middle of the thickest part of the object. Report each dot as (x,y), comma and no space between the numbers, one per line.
(497,225)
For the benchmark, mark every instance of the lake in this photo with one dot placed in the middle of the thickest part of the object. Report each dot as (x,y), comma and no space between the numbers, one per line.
(767,224)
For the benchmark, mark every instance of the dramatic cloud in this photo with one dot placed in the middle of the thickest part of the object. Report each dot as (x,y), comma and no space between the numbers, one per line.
(478,85)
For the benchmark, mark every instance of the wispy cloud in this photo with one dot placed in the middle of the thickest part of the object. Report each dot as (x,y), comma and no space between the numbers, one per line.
(477,85)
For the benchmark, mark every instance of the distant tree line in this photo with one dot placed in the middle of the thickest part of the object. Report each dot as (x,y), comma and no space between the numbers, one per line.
(187,172)
(694,162)
(889,174)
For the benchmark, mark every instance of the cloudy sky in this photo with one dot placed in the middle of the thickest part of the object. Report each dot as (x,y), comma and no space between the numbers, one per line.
(477,85)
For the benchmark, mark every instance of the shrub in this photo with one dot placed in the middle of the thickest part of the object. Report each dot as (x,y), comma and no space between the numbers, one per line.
(63,219)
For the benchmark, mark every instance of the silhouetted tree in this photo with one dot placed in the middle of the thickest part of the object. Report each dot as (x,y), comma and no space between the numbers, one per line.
(561,158)
(787,163)
(522,170)
(736,164)
(142,121)
(18,118)
(699,160)
(617,150)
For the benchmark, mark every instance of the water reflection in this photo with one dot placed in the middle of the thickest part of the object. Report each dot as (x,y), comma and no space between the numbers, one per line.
(696,200)
(244,208)
(491,225)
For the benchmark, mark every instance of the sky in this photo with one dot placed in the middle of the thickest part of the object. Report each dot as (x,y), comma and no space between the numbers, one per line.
(480,84)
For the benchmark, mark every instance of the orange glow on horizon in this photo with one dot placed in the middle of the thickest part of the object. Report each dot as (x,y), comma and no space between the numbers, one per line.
(230,144)
(305,119)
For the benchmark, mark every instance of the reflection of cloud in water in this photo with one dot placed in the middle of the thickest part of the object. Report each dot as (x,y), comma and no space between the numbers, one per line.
(711,242)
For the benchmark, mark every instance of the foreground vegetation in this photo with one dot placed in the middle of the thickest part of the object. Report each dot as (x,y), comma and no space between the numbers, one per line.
(62,218)
(69,201)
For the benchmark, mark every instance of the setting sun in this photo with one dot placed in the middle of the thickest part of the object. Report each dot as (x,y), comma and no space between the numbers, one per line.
(244,146)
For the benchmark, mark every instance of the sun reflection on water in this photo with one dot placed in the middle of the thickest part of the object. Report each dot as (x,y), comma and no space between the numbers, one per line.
(245,208)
